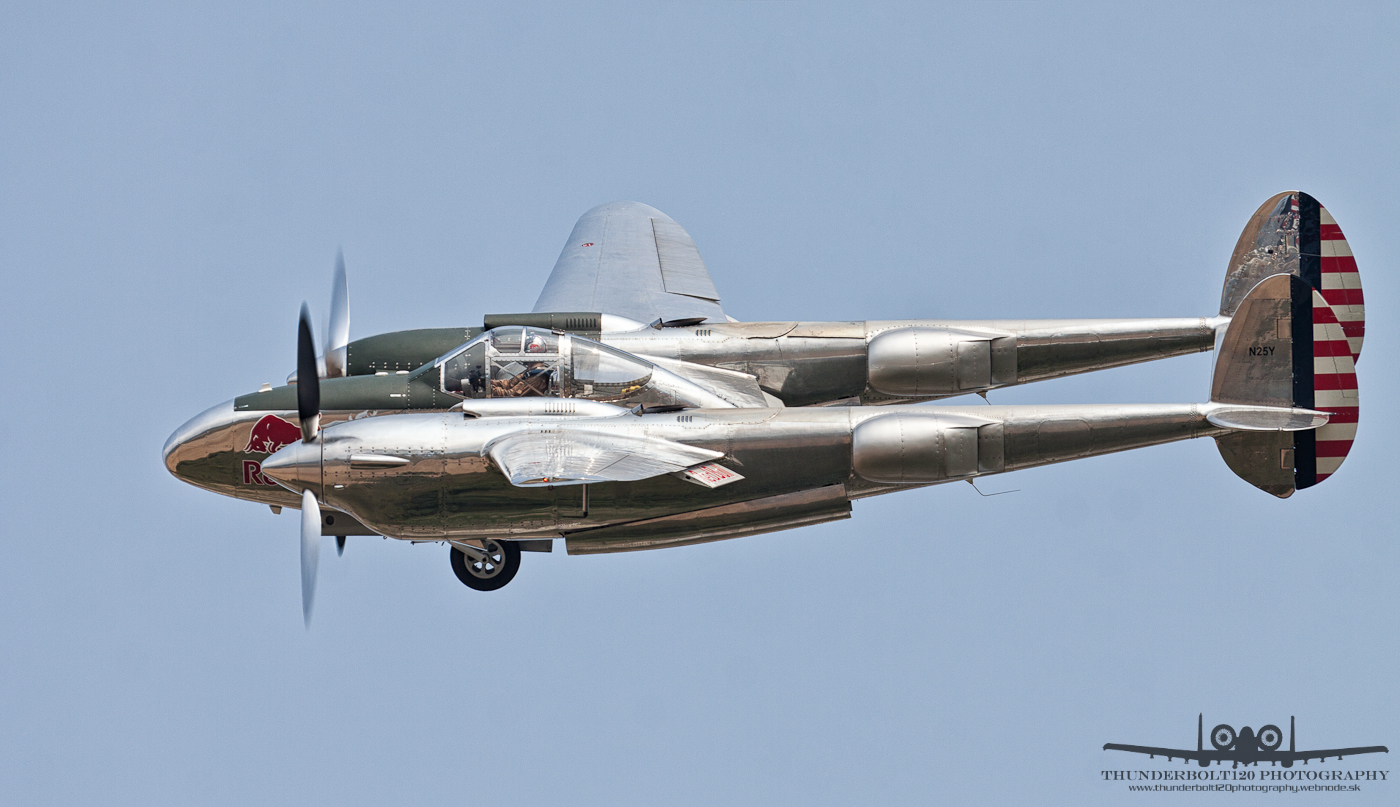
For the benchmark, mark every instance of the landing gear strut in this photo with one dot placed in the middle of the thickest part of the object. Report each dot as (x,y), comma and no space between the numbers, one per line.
(489,568)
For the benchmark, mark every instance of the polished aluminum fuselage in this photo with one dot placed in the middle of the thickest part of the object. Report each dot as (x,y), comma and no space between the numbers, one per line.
(814,363)
(799,364)
(799,466)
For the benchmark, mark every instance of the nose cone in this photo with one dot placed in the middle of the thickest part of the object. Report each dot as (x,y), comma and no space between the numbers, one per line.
(296,465)
(186,443)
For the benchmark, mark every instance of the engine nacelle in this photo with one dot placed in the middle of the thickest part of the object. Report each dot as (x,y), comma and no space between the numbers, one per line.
(915,448)
(921,361)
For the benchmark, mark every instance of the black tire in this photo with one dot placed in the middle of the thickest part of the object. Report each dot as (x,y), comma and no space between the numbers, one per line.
(500,568)
(1270,738)
(1222,737)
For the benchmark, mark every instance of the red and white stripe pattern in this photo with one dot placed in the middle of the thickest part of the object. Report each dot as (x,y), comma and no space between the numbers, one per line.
(1341,284)
(1334,381)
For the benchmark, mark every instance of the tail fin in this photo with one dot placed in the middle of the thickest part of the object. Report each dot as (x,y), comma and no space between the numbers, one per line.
(1293,233)
(1284,357)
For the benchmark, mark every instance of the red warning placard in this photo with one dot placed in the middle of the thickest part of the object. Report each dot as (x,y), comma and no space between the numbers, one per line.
(710,475)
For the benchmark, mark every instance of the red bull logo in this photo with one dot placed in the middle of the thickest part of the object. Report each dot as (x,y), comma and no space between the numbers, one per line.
(269,434)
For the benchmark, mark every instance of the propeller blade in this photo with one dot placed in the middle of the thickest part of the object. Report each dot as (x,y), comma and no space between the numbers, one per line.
(308,384)
(338,327)
(310,551)
(339,545)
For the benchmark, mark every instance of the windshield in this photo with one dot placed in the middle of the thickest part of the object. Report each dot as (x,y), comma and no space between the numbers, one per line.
(602,373)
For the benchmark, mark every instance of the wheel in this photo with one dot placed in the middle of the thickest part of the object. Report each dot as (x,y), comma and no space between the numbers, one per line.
(501,563)
(1222,737)
(1270,738)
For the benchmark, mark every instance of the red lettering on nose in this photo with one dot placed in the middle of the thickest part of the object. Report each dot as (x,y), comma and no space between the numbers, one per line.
(253,475)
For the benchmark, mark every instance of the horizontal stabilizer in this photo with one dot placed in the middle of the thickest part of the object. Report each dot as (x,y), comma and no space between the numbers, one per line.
(1266,418)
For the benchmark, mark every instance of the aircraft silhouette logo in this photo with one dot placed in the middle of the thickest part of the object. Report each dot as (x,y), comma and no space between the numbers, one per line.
(1246,747)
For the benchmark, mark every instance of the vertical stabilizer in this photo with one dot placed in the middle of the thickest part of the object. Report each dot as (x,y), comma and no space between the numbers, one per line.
(1200,738)
(1292,233)
(1286,348)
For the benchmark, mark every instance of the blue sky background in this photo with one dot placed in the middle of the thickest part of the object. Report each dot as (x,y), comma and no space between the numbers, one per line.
(175,180)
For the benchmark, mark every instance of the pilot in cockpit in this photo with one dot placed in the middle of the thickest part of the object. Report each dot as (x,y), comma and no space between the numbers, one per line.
(534,380)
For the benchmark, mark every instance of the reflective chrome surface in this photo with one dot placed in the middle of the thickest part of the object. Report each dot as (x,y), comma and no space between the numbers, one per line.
(526,407)
(810,363)
(631,260)
(435,475)
(460,478)
(214,450)
(211,420)
(1292,233)
(1031,435)
(741,519)
(924,362)
(535,458)
(914,448)
(1263,418)
(1268,246)
(736,388)
(298,466)
(222,450)
(1254,364)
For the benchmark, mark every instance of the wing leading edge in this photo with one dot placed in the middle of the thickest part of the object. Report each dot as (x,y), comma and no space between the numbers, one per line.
(631,260)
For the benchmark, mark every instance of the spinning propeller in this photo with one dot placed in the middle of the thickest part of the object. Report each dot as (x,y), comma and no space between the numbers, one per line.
(338,326)
(335,363)
(308,391)
(300,463)
(309,413)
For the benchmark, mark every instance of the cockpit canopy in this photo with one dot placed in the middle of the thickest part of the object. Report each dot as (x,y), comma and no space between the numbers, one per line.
(517,362)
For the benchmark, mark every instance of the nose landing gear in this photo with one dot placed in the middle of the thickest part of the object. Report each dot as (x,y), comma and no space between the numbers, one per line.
(486,568)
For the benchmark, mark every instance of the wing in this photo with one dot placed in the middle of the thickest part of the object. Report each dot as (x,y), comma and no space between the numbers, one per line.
(631,260)
(1332,752)
(569,457)
(1277,756)
(1170,753)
